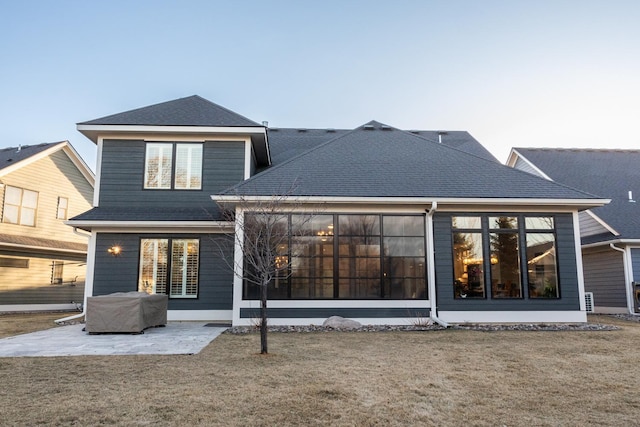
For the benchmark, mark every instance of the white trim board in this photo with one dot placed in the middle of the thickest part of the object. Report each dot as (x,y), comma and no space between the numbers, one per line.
(513,316)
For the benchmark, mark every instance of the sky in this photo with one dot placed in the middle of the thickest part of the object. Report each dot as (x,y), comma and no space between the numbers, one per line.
(513,73)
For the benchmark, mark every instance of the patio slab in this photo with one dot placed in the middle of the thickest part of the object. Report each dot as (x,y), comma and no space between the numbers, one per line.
(71,340)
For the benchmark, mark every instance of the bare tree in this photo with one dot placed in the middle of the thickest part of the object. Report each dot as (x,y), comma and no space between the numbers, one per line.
(263,229)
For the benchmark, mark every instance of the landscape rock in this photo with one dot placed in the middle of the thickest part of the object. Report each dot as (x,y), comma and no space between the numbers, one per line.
(337,322)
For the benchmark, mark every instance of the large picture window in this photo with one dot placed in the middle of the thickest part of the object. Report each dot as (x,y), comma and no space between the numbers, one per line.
(173,166)
(20,206)
(174,272)
(350,256)
(501,236)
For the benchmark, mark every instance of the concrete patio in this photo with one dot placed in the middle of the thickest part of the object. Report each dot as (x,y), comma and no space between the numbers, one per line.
(71,340)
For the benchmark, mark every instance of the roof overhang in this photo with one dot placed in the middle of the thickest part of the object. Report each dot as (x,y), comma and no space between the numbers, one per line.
(626,242)
(258,134)
(442,202)
(152,226)
(40,249)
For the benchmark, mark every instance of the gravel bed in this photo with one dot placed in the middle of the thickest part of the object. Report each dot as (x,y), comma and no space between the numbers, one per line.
(239,330)
(628,317)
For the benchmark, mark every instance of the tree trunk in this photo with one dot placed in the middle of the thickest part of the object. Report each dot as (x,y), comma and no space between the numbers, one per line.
(263,319)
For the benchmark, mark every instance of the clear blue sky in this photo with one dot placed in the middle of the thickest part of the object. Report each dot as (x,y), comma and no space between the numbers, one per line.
(513,73)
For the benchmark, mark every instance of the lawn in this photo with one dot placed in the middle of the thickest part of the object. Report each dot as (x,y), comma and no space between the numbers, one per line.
(451,377)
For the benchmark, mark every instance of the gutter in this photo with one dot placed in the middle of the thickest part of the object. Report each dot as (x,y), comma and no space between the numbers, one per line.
(431,279)
(628,282)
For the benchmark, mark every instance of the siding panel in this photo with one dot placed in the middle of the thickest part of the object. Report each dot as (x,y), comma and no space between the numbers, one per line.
(567,273)
(604,276)
(122,177)
(120,274)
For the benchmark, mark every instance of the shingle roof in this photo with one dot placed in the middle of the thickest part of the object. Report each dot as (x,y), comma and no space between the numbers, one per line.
(207,213)
(376,160)
(12,155)
(286,143)
(608,173)
(190,111)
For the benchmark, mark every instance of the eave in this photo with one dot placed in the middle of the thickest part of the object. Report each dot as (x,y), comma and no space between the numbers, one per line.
(442,202)
(152,226)
(258,134)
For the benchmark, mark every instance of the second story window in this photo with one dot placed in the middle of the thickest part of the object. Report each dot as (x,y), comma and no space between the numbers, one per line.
(20,206)
(173,166)
(63,207)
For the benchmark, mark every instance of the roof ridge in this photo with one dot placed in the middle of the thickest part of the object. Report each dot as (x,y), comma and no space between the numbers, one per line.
(279,166)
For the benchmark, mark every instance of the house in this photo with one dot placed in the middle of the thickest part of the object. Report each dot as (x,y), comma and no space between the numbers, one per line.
(42,260)
(610,234)
(413,224)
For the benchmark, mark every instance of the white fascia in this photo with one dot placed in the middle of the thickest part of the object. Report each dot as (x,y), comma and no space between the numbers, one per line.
(564,204)
(304,321)
(630,242)
(154,226)
(138,129)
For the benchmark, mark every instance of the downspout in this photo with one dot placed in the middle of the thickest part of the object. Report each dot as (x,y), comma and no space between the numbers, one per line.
(79,315)
(627,280)
(431,267)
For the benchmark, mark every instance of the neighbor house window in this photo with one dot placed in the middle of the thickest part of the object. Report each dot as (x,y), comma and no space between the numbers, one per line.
(542,268)
(500,237)
(57,268)
(63,208)
(349,256)
(169,266)
(20,206)
(14,262)
(173,166)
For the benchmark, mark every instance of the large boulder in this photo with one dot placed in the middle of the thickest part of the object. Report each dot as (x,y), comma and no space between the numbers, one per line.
(337,322)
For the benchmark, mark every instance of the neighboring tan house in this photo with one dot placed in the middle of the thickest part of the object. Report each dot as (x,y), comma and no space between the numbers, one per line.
(413,224)
(42,260)
(610,234)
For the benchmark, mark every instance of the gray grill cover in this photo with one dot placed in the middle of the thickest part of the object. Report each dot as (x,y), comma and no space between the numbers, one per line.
(125,312)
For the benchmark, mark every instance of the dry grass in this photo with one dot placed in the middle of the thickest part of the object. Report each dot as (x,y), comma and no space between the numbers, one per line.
(364,379)
(23,323)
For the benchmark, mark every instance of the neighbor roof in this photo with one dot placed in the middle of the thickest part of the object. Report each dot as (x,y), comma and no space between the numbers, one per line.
(190,111)
(376,160)
(608,173)
(12,155)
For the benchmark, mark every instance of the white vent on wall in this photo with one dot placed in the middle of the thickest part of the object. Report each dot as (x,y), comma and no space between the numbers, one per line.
(588,301)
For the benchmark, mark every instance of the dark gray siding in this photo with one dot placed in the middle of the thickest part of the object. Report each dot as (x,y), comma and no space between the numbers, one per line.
(120,274)
(287,313)
(567,273)
(635,264)
(122,175)
(604,276)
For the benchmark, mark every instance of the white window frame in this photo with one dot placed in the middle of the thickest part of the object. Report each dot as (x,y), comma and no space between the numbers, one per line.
(161,248)
(173,153)
(20,207)
(62,211)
